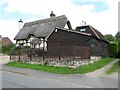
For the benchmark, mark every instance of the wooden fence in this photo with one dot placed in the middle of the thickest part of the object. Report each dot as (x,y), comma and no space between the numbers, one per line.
(52,54)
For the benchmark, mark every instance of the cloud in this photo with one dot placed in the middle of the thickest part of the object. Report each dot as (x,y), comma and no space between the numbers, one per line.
(43,7)
(8,28)
(105,21)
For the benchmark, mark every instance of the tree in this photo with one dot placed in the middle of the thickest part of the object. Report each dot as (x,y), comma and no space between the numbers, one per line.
(118,37)
(114,44)
(118,41)
(113,49)
(110,38)
(7,48)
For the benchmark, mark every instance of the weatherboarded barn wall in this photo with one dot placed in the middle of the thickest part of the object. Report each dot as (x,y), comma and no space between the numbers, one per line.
(69,38)
(70,43)
(98,44)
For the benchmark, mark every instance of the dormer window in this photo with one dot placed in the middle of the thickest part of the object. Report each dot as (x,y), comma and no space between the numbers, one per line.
(82,30)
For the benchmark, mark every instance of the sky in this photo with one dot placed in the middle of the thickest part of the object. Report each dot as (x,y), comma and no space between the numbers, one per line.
(101,14)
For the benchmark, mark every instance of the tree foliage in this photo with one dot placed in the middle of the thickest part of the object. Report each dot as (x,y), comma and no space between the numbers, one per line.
(110,38)
(7,48)
(117,36)
(118,41)
(114,47)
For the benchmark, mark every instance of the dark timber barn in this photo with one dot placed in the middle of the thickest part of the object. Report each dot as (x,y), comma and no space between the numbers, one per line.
(49,39)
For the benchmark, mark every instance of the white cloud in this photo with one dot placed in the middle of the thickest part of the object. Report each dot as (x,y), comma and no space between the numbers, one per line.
(106,21)
(8,28)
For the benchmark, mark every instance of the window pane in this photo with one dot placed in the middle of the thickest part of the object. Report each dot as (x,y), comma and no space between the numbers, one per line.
(82,30)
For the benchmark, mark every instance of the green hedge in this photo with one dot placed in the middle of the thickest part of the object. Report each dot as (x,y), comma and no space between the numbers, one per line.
(118,54)
(113,49)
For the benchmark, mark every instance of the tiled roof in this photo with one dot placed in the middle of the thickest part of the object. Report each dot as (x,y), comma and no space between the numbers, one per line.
(6,41)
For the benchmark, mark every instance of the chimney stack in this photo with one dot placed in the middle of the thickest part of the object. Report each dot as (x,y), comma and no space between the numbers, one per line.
(20,23)
(52,14)
(83,23)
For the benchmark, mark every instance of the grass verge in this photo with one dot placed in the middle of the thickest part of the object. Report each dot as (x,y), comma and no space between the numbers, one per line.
(114,68)
(63,70)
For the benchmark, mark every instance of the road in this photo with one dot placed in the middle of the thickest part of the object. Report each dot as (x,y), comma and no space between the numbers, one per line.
(47,80)
(12,80)
(26,78)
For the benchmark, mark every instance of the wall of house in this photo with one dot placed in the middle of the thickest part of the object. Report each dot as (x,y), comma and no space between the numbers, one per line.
(69,43)
(98,47)
(63,39)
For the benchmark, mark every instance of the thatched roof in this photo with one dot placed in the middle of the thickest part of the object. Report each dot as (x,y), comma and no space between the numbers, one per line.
(41,28)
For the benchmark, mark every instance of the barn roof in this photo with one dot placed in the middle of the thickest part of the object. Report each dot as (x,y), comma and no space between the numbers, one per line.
(96,33)
(69,31)
(41,28)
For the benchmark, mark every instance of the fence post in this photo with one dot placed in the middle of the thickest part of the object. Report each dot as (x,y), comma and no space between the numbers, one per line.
(59,53)
(73,52)
(19,55)
(10,55)
(43,52)
(43,56)
(30,54)
(30,57)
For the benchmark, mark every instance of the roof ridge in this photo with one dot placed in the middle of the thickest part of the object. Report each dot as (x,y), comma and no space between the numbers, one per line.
(93,29)
(69,30)
(45,20)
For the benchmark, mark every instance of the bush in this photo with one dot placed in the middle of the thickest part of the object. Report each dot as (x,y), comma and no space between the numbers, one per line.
(113,49)
(118,54)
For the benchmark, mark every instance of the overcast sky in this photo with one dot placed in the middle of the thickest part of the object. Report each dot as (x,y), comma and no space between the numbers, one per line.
(101,14)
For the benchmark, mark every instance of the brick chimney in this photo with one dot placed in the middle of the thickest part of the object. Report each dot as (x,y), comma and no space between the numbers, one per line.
(52,14)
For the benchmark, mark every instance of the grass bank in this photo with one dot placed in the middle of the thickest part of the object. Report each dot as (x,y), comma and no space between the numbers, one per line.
(114,68)
(63,70)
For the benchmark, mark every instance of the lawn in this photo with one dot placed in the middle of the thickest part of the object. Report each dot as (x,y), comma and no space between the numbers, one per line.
(114,68)
(64,70)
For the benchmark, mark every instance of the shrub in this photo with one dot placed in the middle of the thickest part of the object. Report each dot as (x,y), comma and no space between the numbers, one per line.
(113,49)
(118,54)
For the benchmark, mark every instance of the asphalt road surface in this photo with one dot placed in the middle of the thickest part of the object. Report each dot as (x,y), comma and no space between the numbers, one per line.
(12,80)
(18,80)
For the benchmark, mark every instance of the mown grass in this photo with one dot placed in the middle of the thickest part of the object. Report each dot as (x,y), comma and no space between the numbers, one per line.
(114,68)
(92,67)
(52,69)
(63,70)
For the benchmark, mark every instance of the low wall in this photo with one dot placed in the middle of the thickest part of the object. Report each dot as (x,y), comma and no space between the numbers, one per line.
(63,63)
